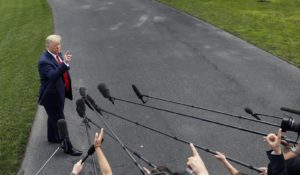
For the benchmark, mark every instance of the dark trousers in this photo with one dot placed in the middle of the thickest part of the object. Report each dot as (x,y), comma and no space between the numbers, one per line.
(54,114)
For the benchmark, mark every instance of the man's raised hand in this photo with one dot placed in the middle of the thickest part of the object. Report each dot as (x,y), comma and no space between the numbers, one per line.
(67,57)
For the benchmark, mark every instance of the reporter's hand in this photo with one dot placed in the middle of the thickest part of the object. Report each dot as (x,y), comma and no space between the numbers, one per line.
(264,170)
(274,141)
(98,138)
(220,156)
(67,57)
(146,170)
(195,162)
(77,168)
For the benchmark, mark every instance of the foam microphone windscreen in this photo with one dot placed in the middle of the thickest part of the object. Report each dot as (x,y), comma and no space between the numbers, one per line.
(62,129)
(82,91)
(92,102)
(249,111)
(103,90)
(80,107)
(90,152)
(137,92)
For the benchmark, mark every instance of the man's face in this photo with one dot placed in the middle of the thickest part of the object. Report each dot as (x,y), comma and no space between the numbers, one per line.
(55,47)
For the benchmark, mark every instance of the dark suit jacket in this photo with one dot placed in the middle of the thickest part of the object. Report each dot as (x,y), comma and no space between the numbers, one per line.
(277,165)
(293,166)
(52,89)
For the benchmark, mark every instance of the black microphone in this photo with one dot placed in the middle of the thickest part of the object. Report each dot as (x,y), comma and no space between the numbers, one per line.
(294,111)
(249,111)
(90,152)
(63,135)
(82,91)
(137,93)
(92,102)
(80,107)
(62,129)
(83,94)
(105,92)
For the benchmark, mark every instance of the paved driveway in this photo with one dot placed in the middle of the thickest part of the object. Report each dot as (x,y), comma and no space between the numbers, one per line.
(171,55)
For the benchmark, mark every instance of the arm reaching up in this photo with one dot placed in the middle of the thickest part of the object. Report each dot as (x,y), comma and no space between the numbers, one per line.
(103,163)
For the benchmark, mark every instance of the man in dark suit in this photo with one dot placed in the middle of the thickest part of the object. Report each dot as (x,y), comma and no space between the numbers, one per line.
(55,87)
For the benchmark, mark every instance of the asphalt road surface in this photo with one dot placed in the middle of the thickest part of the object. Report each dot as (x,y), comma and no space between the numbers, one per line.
(171,55)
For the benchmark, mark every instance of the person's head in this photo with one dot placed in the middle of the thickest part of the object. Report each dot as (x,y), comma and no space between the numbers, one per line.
(53,43)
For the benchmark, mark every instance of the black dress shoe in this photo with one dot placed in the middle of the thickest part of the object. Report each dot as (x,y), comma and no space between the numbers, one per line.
(73,152)
(69,149)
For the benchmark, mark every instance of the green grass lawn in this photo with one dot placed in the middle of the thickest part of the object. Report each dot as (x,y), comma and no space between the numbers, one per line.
(24,24)
(273,25)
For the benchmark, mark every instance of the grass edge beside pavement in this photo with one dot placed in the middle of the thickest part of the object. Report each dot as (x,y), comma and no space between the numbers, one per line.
(23,28)
(272,25)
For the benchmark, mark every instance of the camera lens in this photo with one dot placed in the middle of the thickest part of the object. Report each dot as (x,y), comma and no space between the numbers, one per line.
(286,124)
(289,124)
(295,126)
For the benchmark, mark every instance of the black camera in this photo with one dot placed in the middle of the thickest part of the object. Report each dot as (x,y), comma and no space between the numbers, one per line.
(289,124)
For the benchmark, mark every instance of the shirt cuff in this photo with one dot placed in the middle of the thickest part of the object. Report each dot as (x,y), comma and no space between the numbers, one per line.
(274,153)
(66,64)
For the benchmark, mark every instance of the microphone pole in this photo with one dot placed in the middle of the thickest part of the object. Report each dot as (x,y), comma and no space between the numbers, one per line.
(114,134)
(41,169)
(81,112)
(249,111)
(202,119)
(63,133)
(133,152)
(103,90)
(194,117)
(140,96)
(181,140)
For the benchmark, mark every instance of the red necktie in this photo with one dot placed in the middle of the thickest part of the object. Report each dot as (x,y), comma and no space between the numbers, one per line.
(65,75)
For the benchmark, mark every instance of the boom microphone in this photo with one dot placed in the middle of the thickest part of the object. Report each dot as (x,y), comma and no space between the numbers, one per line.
(80,107)
(249,111)
(105,92)
(82,91)
(92,102)
(63,135)
(294,111)
(62,129)
(137,93)
(90,152)
(83,94)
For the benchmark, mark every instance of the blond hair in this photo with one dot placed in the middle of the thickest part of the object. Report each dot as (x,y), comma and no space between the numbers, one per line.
(52,38)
